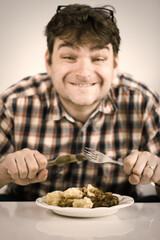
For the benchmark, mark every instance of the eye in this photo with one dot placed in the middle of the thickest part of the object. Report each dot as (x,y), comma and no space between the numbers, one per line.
(99,59)
(70,58)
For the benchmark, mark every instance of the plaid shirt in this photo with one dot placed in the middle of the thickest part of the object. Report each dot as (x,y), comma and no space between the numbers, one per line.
(31,116)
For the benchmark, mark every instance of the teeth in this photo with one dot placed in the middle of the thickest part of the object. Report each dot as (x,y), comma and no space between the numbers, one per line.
(83,85)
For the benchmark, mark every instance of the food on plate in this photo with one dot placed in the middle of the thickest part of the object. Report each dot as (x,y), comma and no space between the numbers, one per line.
(86,197)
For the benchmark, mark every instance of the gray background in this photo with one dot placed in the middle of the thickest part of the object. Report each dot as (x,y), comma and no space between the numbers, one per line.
(22,42)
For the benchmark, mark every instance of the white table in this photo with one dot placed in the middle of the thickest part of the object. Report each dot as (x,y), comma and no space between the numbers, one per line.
(27,221)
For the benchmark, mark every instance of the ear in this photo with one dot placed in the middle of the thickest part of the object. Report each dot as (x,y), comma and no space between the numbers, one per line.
(47,62)
(116,65)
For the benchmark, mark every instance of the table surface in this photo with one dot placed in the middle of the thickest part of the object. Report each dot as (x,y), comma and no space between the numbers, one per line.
(26,220)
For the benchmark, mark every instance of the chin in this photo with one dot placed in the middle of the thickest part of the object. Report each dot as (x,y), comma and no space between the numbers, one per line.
(83,102)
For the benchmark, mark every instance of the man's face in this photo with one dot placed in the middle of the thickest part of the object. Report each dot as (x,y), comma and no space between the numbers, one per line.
(81,75)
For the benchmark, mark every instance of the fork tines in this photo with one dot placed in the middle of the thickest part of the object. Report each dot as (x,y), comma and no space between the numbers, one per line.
(90,154)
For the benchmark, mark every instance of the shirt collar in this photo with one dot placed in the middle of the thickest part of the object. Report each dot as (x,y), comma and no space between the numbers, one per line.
(107,106)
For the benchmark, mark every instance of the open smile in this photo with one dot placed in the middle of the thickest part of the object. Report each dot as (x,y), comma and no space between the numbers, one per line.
(83,84)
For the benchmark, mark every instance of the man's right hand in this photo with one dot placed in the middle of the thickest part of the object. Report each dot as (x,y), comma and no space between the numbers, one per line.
(23,167)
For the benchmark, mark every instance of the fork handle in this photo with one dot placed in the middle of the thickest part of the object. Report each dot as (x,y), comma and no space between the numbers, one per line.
(118,162)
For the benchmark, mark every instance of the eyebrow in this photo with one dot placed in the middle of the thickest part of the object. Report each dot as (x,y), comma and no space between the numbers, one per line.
(67,44)
(98,47)
(92,48)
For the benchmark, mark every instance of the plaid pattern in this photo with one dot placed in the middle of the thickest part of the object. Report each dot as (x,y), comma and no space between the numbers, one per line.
(31,116)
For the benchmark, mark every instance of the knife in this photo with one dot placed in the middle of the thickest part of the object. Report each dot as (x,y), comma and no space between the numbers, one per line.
(64,159)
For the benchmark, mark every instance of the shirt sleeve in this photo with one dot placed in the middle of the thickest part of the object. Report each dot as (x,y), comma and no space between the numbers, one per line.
(151,131)
(6,132)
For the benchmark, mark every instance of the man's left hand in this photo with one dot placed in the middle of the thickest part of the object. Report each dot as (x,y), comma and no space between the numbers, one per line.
(142,167)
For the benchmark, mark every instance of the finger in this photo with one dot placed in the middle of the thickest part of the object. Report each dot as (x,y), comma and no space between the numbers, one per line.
(12,166)
(40,177)
(17,166)
(21,166)
(156,174)
(13,170)
(134,179)
(41,160)
(9,166)
(140,164)
(33,167)
(146,176)
(149,170)
(129,162)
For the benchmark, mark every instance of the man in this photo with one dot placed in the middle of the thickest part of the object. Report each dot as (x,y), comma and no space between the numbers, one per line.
(82,101)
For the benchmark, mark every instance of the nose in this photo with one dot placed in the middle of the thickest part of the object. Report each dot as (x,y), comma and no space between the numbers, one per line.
(84,69)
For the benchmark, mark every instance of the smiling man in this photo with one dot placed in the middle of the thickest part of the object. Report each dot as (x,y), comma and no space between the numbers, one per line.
(82,101)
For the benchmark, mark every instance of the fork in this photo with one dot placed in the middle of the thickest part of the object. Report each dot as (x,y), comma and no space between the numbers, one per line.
(98,157)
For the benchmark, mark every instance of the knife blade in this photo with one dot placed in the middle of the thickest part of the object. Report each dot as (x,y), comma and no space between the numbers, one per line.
(64,159)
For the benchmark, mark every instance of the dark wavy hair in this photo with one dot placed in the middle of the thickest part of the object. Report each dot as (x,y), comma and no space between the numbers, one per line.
(82,24)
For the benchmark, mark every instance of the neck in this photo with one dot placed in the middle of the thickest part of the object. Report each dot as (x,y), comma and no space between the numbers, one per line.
(80,113)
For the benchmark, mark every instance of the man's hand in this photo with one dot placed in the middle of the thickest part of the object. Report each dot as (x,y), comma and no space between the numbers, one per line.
(142,167)
(23,167)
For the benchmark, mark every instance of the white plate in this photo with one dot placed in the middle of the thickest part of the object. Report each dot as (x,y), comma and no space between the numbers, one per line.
(124,201)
